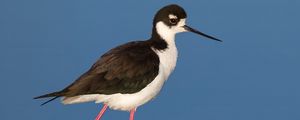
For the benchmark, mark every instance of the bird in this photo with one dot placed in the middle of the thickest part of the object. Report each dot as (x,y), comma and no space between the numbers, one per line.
(133,73)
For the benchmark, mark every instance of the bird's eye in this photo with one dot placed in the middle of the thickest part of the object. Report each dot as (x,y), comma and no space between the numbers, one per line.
(173,21)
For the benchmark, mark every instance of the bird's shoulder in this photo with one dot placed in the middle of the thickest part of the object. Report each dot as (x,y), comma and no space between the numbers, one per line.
(131,55)
(127,68)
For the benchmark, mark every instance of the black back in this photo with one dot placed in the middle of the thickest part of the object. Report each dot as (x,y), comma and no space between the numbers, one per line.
(163,14)
(127,68)
(124,69)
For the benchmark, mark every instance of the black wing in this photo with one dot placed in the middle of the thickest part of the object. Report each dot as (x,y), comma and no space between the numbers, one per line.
(125,69)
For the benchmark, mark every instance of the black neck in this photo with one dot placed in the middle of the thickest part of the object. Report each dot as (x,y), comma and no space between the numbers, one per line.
(156,41)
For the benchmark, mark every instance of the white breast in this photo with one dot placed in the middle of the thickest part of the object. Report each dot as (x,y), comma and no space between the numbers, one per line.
(126,102)
(168,59)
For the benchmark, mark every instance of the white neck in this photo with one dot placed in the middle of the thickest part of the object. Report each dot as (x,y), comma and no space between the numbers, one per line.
(168,32)
(167,57)
(165,33)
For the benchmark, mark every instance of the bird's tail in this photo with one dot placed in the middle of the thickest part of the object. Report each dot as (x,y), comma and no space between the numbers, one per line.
(55,95)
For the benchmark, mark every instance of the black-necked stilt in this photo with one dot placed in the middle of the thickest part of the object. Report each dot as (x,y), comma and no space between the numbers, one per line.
(131,74)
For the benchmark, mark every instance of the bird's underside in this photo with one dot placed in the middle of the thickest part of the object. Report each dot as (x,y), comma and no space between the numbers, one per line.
(126,69)
(132,74)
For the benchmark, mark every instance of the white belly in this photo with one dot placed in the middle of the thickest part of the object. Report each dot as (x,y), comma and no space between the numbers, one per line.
(127,102)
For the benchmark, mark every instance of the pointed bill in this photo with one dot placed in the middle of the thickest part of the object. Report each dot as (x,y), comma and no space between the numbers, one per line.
(200,33)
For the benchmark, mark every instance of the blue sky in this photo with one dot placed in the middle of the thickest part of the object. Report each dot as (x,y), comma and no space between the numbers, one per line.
(252,75)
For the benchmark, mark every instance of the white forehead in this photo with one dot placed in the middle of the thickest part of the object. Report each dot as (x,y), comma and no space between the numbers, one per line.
(181,22)
(171,16)
(168,32)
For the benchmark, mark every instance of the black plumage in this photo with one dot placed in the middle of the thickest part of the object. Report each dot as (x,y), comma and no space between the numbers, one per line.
(127,68)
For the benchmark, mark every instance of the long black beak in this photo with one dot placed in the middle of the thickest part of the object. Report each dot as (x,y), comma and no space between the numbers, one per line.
(200,33)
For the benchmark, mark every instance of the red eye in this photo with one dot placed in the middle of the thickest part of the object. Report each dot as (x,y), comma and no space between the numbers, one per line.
(173,21)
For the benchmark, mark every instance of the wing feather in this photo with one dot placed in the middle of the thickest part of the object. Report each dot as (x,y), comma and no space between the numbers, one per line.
(124,69)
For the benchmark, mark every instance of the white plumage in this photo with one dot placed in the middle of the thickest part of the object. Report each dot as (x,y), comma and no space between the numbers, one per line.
(127,102)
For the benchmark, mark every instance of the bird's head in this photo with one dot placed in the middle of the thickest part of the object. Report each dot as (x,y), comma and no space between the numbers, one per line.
(171,20)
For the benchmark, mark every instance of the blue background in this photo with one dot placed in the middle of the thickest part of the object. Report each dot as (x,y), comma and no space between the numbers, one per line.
(252,75)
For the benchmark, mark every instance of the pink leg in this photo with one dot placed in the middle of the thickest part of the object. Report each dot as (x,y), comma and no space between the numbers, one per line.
(132,114)
(101,112)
